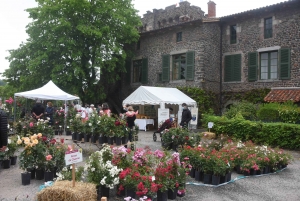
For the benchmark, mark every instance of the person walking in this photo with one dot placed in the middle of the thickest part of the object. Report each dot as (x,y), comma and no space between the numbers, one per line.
(3,130)
(186,116)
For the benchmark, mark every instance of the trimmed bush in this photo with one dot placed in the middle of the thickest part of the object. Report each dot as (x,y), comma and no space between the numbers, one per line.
(273,134)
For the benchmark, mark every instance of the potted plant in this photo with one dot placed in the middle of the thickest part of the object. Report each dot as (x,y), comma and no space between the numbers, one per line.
(12,147)
(101,171)
(26,162)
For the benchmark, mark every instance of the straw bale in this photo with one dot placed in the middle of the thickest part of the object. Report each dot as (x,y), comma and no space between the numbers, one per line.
(64,191)
(208,135)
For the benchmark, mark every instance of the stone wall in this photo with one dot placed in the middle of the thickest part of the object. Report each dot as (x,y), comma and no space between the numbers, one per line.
(250,37)
(170,16)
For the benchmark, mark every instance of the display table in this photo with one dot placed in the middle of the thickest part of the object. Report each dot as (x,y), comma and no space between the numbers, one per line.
(142,123)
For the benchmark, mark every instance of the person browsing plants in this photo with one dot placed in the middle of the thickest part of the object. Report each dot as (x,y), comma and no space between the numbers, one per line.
(186,116)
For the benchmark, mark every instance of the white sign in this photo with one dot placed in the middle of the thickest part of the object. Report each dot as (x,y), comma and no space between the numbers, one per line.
(194,112)
(163,115)
(210,124)
(74,156)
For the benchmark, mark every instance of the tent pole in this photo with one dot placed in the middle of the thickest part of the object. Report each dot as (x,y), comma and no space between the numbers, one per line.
(65,117)
(15,108)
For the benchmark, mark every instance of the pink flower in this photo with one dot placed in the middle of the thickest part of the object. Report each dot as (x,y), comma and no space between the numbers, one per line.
(9,101)
(48,157)
(31,124)
(159,154)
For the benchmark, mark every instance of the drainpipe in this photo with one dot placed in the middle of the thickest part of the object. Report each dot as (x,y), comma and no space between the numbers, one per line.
(221,51)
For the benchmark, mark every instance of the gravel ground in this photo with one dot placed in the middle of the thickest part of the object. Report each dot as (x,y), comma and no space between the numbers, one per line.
(281,186)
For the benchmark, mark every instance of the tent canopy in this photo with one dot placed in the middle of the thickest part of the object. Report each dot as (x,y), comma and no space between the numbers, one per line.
(157,95)
(48,92)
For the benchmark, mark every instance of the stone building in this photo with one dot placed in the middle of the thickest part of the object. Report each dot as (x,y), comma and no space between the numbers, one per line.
(181,46)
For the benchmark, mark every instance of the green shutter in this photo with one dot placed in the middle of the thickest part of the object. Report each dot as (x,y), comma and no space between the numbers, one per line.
(145,71)
(165,67)
(128,71)
(285,64)
(252,66)
(228,68)
(236,74)
(190,63)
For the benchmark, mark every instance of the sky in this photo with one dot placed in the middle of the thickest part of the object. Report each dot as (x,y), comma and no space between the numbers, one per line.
(14,18)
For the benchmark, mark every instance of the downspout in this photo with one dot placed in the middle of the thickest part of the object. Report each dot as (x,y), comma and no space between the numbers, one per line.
(221,76)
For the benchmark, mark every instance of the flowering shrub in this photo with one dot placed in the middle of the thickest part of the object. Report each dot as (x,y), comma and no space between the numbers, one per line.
(66,173)
(100,170)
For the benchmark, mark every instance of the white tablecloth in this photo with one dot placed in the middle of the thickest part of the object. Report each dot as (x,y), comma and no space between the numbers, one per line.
(142,123)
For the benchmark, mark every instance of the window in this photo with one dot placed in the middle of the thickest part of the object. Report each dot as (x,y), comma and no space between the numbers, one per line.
(159,77)
(232,70)
(233,34)
(182,66)
(272,65)
(179,67)
(140,70)
(268,28)
(269,65)
(179,37)
(137,71)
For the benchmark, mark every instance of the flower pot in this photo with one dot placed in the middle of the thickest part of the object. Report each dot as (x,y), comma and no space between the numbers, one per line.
(238,169)
(56,132)
(101,139)
(74,136)
(105,139)
(13,160)
(39,174)
(55,170)
(124,140)
(192,172)
(252,172)
(110,140)
(48,176)
(131,193)
(174,147)
(223,179)
(246,173)
(94,138)
(79,137)
(118,141)
(6,164)
(266,170)
(68,133)
(32,172)
(228,177)
(180,195)
(197,175)
(172,193)
(215,179)
(162,196)
(104,191)
(87,137)
(121,192)
(207,178)
(25,177)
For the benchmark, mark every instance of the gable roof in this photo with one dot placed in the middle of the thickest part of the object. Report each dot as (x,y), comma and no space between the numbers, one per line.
(157,95)
(47,92)
(283,94)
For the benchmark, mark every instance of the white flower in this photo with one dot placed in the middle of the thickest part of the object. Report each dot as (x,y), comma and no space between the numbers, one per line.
(92,169)
(153,178)
(48,118)
(8,141)
(93,115)
(90,124)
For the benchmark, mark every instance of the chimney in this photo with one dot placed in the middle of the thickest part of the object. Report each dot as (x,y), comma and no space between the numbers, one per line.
(211,9)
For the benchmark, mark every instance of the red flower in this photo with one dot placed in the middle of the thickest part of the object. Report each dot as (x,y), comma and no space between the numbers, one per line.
(62,140)
(53,141)
(44,138)
(117,123)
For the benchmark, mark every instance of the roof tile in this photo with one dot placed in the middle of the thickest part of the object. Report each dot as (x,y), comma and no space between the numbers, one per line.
(283,95)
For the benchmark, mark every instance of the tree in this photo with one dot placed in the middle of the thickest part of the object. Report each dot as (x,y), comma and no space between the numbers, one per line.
(73,42)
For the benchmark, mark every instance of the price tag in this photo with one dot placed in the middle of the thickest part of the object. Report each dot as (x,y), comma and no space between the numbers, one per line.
(210,124)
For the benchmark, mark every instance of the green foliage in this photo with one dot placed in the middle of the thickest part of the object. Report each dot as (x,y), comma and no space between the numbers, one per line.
(268,112)
(289,112)
(274,134)
(72,42)
(205,100)
(246,109)
(66,173)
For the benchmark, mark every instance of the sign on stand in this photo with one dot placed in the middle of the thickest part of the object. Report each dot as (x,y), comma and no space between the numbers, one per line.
(71,157)
(194,112)
(210,125)
(163,115)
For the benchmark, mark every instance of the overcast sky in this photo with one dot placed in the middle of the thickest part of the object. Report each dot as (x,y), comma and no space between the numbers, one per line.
(13,18)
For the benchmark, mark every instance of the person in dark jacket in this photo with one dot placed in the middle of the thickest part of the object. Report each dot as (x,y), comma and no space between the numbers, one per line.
(38,110)
(49,112)
(3,130)
(186,116)
(130,117)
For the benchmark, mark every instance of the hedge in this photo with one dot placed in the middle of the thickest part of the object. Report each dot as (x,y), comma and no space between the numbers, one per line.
(281,135)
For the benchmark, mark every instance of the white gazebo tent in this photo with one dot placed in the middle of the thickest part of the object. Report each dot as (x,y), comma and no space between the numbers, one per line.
(145,95)
(47,92)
